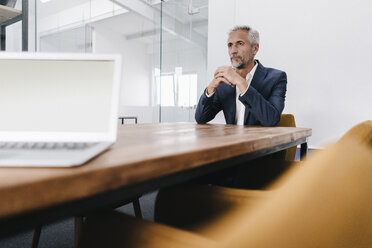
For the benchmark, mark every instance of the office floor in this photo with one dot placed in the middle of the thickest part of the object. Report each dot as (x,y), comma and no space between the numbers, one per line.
(61,234)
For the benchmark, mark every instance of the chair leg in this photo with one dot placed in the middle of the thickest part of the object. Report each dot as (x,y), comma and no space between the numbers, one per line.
(137,208)
(78,226)
(36,237)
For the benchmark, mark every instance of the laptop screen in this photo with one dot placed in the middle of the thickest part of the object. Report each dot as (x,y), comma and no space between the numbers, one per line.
(57,96)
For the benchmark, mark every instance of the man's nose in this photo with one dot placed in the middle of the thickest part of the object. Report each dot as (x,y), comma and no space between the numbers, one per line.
(233,49)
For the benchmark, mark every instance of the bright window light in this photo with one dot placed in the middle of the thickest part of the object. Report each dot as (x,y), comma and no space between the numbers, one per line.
(187,87)
(167,91)
(176,89)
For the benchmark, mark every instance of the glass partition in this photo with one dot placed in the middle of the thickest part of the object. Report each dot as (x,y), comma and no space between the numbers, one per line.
(183,58)
(73,40)
(163,44)
(129,28)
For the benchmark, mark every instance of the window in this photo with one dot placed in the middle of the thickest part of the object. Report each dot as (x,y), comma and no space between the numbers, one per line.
(176,89)
(187,87)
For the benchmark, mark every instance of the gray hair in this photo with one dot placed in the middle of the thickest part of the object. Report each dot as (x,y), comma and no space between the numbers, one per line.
(253,35)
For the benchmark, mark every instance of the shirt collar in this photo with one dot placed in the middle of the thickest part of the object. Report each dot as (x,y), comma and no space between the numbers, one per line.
(251,73)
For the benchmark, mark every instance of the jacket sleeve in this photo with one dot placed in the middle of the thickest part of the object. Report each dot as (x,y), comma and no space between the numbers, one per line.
(267,111)
(208,108)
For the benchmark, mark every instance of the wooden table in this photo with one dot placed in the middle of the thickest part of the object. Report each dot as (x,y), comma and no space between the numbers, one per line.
(146,157)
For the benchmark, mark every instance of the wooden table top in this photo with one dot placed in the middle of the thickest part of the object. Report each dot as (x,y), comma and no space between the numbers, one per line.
(142,152)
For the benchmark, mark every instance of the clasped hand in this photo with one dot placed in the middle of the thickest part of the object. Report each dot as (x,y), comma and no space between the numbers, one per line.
(228,75)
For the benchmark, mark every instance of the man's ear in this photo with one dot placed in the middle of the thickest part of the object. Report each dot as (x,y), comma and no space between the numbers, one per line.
(256,47)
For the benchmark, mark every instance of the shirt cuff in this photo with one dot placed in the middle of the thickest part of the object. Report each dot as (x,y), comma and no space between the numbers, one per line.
(242,94)
(207,94)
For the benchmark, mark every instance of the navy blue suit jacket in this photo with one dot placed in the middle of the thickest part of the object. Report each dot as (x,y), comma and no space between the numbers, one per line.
(263,101)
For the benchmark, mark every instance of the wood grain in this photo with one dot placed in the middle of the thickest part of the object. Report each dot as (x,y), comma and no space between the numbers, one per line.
(142,152)
(7,13)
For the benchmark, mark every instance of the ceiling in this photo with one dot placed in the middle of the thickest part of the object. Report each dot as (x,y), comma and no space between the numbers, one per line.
(135,25)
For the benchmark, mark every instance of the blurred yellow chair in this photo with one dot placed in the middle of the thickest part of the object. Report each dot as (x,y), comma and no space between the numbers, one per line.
(327,203)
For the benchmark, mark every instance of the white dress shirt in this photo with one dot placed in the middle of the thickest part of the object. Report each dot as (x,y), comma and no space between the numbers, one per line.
(240,108)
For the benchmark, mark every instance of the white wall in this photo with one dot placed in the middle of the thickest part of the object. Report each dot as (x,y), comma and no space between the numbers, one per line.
(325,48)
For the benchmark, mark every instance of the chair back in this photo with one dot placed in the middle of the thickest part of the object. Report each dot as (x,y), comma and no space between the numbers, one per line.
(361,133)
(331,193)
(287,120)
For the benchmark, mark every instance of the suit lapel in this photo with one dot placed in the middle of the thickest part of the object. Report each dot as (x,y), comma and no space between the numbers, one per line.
(259,75)
(229,102)
(232,91)
(257,81)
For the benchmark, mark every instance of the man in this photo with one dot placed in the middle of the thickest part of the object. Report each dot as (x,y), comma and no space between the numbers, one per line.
(248,93)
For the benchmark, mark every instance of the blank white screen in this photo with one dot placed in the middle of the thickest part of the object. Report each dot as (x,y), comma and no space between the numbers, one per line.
(55,95)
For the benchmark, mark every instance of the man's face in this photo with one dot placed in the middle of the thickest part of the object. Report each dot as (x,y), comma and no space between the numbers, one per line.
(240,50)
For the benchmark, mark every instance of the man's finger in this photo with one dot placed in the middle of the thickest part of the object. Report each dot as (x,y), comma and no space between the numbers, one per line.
(219,74)
(220,79)
(227,81)
(219,70)
(222,69)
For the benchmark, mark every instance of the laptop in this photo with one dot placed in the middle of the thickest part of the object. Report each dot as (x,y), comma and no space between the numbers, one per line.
(57,110)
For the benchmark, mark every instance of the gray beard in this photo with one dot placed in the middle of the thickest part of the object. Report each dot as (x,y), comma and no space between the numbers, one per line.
(242,64)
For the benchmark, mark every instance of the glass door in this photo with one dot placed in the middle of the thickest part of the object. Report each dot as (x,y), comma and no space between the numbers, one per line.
(181,78)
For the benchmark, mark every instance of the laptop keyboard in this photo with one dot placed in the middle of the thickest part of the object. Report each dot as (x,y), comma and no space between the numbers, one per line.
(46,145)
